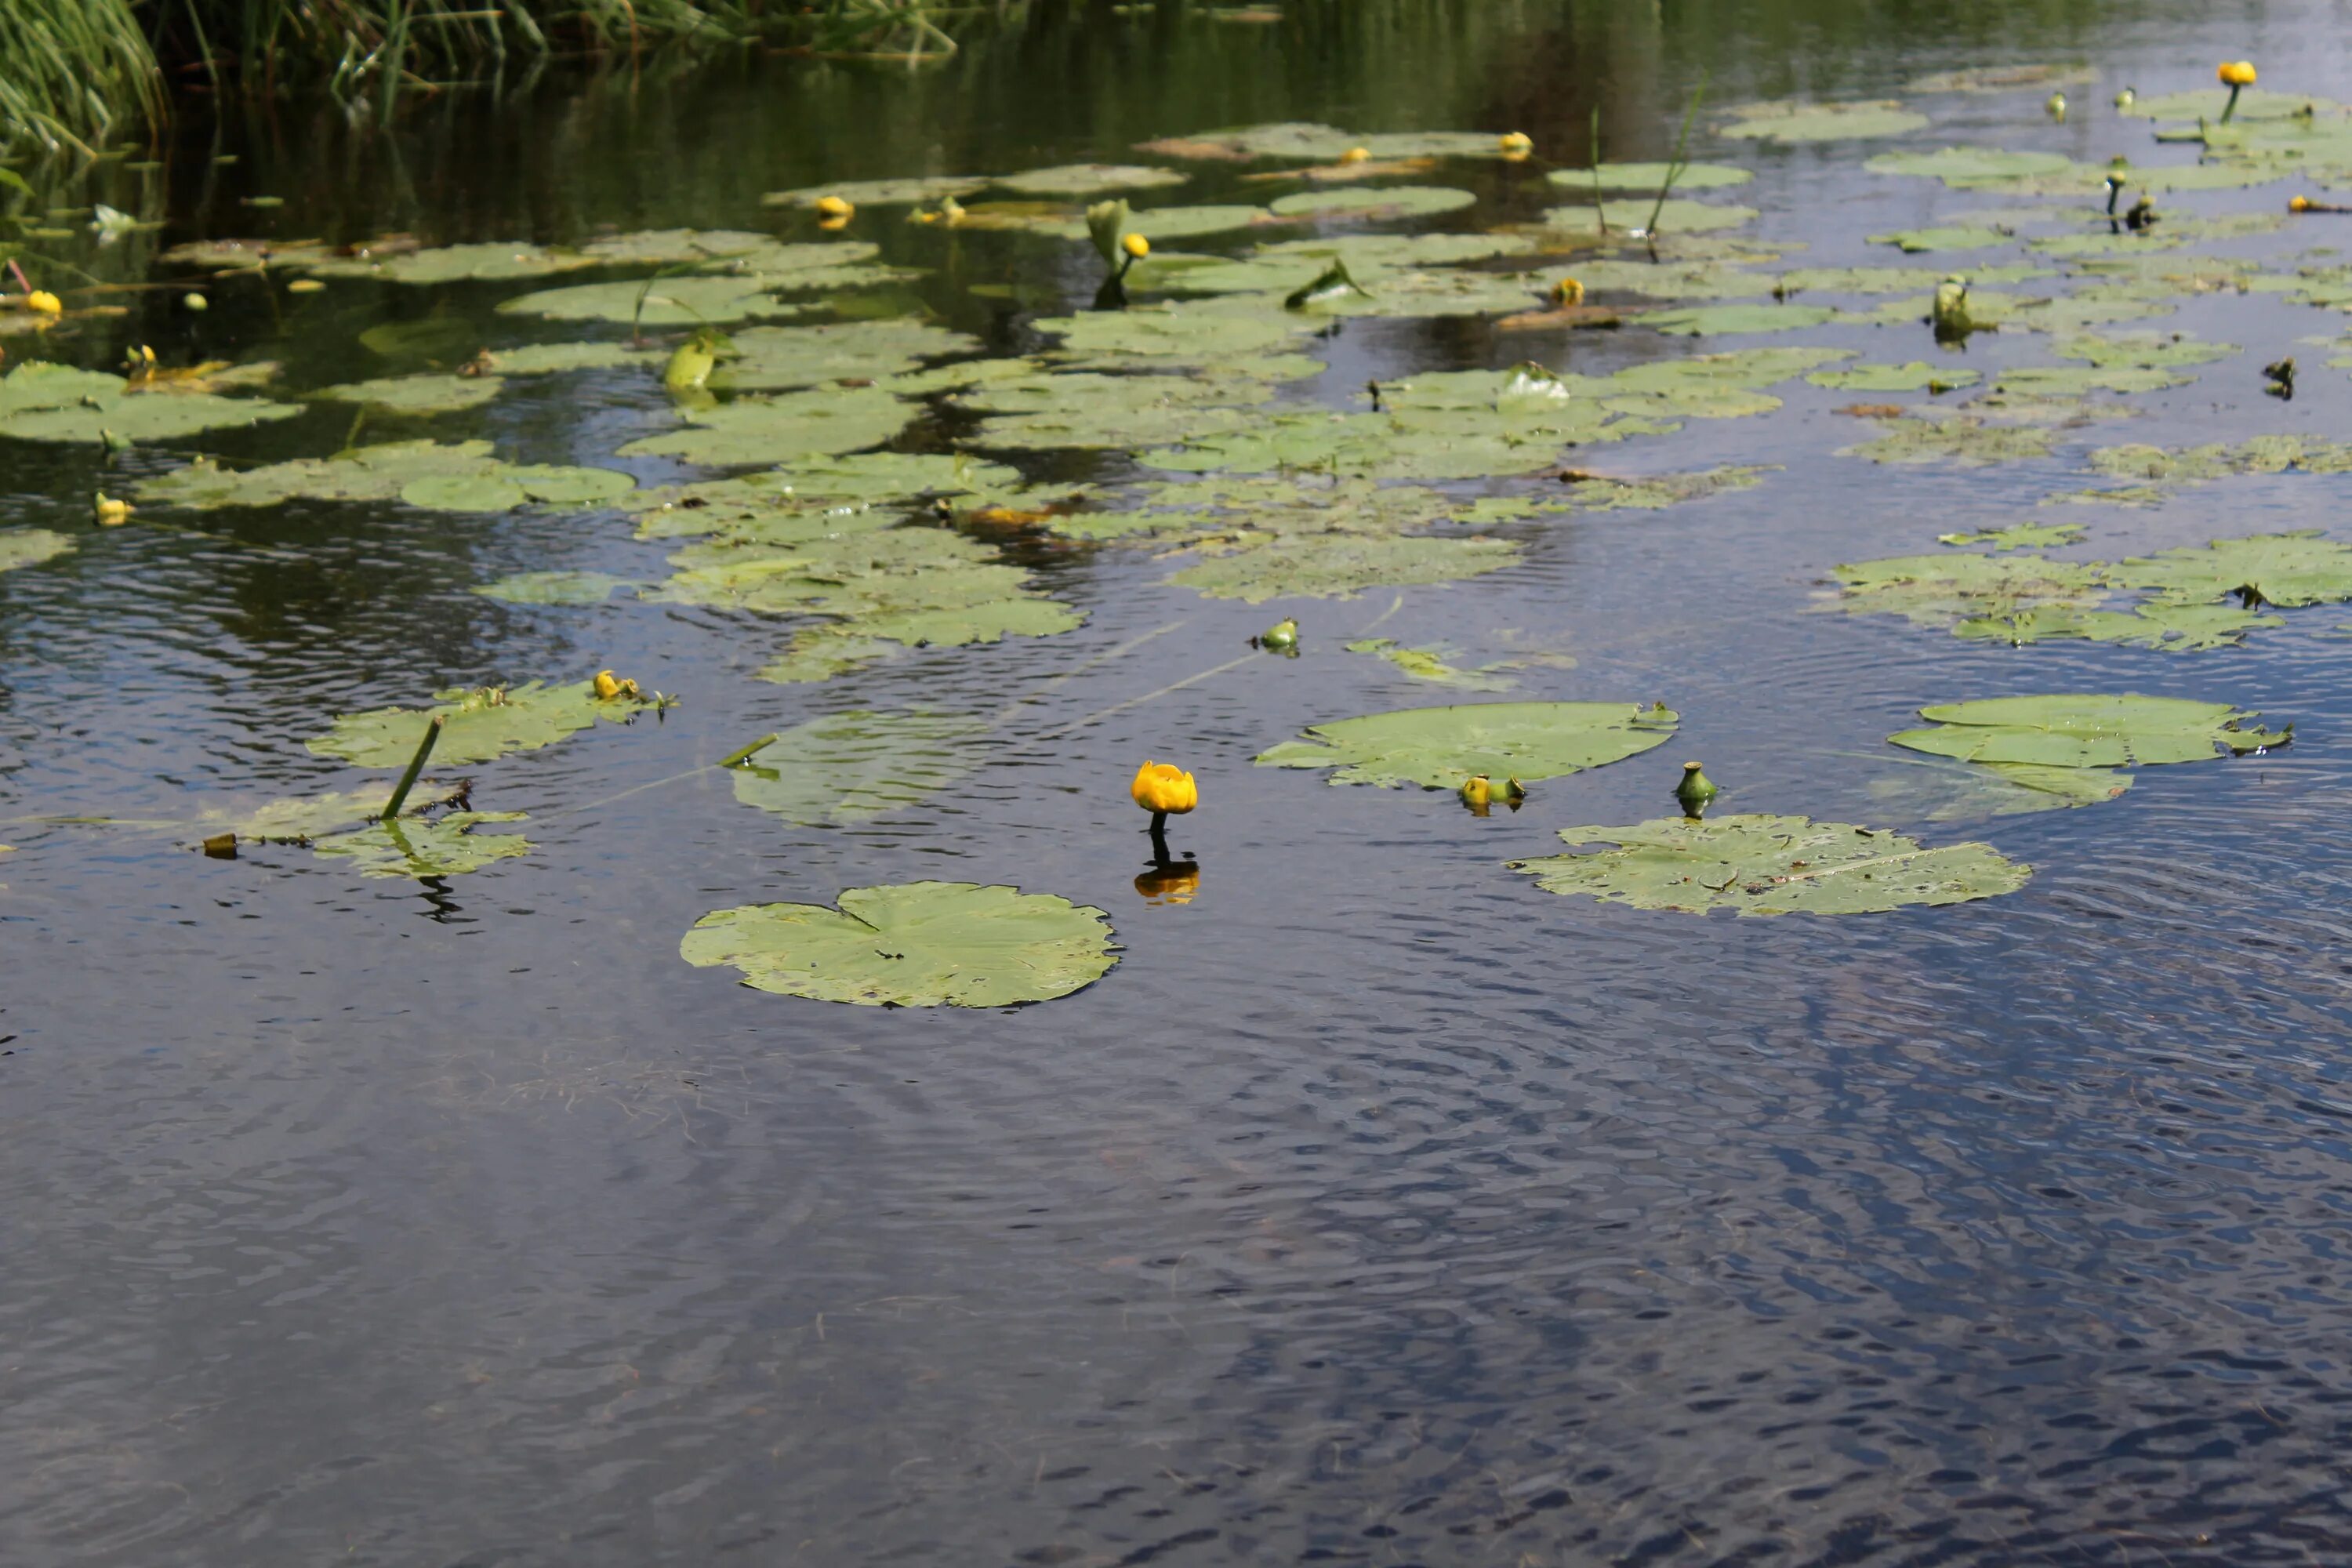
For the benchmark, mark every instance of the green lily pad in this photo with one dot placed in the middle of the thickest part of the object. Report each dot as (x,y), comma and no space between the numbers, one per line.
(1758,865)
(1787,121)
(2018,536)
(865,479)
(452,475)
(2253,103)
(2078,246)
(676,247)
(1306,143)
(1857,279)
(1192,334)
(1650,176)
(479,724)
(964,626)
(1723,321)
(443,847)
(1657,491)
(497,259)
(1160,225)
(1965,441)
(1632,217)
(667,302)
(2086,730)
(1441,444)
(1339,565)
(302,818)
(1090,179)
(2170,629)
(771,359)
(2002,79)
(917,944)
(30,547)
(1430,663)
(2142,350)
(1373,202)
(1933,590)
(2283,569)
(1944,237)
(920,189)
(1969,792)
(418,393)
(1079,409)
(1438,748)
(1918,375)
(821,653)
(854,766)
(780,429)
(1967,167)
(2072,380)
(44,402)
(554,588)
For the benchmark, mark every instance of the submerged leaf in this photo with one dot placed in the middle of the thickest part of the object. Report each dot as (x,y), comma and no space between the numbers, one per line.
(853,766)
(918,944)
(30,547)
(443,847)
(1787,121)
(554,588)
(2086,730)
(478,724)
(1758,865)
(1438,748)
(1430,663)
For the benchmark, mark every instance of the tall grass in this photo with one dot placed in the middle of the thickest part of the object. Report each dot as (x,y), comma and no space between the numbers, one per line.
(71,69)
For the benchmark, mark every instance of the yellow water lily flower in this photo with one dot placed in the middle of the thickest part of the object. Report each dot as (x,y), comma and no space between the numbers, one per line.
(1477,791)
(608,688)
(834,207)
(2235,73)
(2298,204)
(1357,155)
(41,302)
(1517,144)
(1135,245)
(1568,291)
(110,511)
(1164,789)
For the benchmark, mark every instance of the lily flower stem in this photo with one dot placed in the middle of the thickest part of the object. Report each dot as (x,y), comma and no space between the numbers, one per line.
(1160,828)
(1599,209)
(415,766)
(2231,107)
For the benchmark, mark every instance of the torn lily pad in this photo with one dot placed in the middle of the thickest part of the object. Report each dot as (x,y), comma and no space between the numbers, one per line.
(1789,120)
(30,547)
(478,724)
(917,944)
(413,847)
(1933,590)
(1944,791)
(2018,536)
(1438,748)
(554,587)
(44,402)
(1759,865)
(2087,730)
(854,766)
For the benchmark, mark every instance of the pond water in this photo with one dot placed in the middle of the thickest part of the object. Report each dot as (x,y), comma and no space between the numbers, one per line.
(1379,1205)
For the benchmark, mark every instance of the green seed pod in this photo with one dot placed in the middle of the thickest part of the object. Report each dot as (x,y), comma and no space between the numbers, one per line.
(1694,789)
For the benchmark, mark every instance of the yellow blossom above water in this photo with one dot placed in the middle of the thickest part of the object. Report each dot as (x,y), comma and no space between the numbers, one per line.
(1164,787)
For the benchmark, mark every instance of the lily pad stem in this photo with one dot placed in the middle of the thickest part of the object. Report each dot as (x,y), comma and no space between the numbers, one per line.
(415,766)
(743,752)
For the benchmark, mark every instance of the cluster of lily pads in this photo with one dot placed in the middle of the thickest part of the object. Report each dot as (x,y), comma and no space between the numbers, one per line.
(838,507)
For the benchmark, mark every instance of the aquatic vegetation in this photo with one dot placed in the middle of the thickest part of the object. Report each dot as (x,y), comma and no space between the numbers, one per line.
(1438,748)
(418,393)
(477,724)
(916,944)
(780,430)
(40,401)
(1678,214)
(1944,237)
(1372,203)
(2283,569)
(1089,179)
(1431,664)
(1164,790)
(856,765)
(1759,865)
(1937,589)
(21,547)
(554,587)
(442,847)
(1916,376)
(1339,565)
(2087,730)
(1728,320)
(460,475)
(1650,176)
(1786,120)
(913,191)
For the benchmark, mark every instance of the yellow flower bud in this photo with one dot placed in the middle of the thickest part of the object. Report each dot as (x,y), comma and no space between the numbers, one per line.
(1357,155)
(833,206)
(1135,245)
(1517,144)
(2235,73)
(2298,204)
(1164,787)
(607,688)
(834,225)
(40,302)
(1477,791)
(1568,291)
(110,511)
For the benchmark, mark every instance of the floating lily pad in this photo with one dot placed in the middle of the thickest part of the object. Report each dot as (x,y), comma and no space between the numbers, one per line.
(497,259)
(1438,748)
(2142,350)
(479,724)
(1758,865)
(667,302)
(1786,120)
(1652,176)
(1173,334)
(770,359)
(2170,629)
(1944,237)
(1969,167)
(2001,78)
(1856,280)
(418,393)
(1725,320)
(44,402)
(1599,493)
(1339,565)
(443,847)
(1967,792)
(1430,663)
(2086,731)
(305,817)
(862,478)
(780,429)
(1965,441)
(554,588)
(2018,536)
(460,475)
(30,547)
(918,944)
(2207,103)
(854,766)
(1079,409)
(1632,217)
(2072,380)
(1303,141)
(918,190)
(1090,179)
(678,247)
(2283,569)
(1915,376)
(1370,204)
(1933,590)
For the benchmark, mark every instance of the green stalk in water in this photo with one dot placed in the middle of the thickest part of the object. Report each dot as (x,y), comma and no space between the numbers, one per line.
(1592,152)
(1675,164)
(415,766)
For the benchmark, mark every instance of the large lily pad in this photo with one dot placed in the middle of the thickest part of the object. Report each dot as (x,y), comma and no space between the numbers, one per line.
(780,429)
(1337,565)
(418,393)
(1969,167)
(1302,142)
(771,359)
(478,724)
(1918,375)
(2283,569)
(1090,179)
(1758,864)
(2086,730)
(443,847)
(913,191)
(1965,441)
(917,944)
(1787,121)
(666,302)
(494,261)
(460,475)
(1933,590)
(1944,237)
(1195,333)
(854,766)
(1369,203)
(1438,748)
(2170,629)
(30,547)
(2207,103)
(44,402)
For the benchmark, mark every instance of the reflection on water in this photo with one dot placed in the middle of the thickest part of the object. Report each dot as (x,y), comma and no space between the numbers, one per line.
(1377,1208)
